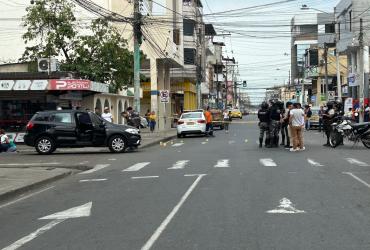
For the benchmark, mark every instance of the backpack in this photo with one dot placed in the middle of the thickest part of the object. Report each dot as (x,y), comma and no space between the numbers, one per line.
(309,113)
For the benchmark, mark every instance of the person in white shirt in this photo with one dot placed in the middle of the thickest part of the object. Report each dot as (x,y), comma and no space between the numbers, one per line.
(297,121)
(226,115)
(107,115)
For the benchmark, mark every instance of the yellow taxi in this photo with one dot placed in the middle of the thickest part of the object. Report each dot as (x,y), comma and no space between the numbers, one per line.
(235,113)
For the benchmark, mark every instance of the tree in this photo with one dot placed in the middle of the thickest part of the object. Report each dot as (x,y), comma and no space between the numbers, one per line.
(103,56)
(50,29)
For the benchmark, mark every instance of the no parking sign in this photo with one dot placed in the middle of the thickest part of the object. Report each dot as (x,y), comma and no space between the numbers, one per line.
(164,96)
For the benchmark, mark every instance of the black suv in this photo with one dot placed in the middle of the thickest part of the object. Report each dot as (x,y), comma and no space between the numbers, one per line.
(49,130)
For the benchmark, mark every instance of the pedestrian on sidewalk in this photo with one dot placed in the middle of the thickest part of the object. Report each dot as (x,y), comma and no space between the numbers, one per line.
(285,125)
(152,121)
(297,122)
(209,120)
(147,115)
(107,115)
(227,116)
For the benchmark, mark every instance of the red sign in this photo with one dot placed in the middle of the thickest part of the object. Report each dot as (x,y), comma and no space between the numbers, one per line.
(70,84)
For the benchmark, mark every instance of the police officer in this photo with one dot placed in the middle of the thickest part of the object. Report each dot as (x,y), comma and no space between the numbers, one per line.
(327,119)
(275,118)
(264,124)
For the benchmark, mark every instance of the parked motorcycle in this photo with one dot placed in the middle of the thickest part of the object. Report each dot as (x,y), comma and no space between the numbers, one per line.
(344,128)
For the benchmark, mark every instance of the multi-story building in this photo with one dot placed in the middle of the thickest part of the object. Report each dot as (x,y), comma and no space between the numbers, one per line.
(353,39)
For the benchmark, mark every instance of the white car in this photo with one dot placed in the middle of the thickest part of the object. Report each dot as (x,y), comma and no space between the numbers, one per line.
(191,123)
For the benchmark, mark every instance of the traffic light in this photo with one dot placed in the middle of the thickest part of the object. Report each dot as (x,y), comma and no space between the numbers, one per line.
(244,84)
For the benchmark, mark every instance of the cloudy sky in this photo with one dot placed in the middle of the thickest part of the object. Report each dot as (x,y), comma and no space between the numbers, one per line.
(259,40)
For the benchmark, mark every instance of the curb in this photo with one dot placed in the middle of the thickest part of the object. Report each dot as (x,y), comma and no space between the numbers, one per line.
(22,190)
(155,142)
(72,167)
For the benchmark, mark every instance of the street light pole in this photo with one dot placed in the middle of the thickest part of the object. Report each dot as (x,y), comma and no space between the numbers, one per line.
(137,43)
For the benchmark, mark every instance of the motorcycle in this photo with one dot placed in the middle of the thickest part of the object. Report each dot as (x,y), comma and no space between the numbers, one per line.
(344,128)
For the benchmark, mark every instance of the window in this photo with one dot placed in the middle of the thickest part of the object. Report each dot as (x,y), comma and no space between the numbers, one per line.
(83,118)
(41,118)
(314,57)
(186,2)
(61,118)
(189,27)
(191,116)
(330,28)
(97,121)
(176,36)
(189,56)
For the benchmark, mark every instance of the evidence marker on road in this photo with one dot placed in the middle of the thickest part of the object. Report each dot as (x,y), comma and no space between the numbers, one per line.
(285,207)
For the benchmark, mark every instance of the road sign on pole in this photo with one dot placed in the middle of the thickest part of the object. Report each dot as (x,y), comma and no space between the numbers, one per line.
(331,95)
(164,96)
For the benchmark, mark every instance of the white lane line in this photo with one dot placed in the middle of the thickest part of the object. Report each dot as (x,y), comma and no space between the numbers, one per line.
(172,214)
(357,162)
(178,144)
(357,178)
(93,180)
(204,142)
(179,164)
(224,163)
(29,164)
(26,197)
(96,168)
(145,177)
(136,167)
(314,163)
(113,159)
(231,142)
(268,162)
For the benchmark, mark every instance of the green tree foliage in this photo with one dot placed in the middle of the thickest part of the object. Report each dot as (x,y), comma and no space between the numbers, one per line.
(102,55)
(50,29)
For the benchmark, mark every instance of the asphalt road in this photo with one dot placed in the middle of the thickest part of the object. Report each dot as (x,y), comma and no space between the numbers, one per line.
(202,193)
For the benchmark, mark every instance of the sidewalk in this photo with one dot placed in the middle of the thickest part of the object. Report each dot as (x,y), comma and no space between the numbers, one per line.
(19,178)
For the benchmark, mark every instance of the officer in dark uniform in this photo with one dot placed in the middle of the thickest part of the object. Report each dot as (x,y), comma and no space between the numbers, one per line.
(327,119)
(264,124)
(275,125)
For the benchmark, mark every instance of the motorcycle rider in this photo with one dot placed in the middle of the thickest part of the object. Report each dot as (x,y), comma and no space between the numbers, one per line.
(264,124)
(275,117)
(328,118)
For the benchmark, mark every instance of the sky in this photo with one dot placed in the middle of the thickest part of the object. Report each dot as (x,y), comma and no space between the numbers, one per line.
(258,38)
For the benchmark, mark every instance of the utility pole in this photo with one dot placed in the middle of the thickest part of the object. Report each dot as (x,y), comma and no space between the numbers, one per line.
(364,69)
(217,86)
(137,43)
(339,80)
(326,72)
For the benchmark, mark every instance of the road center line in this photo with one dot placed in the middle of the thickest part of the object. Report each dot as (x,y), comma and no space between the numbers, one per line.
(25,197)
(172,214)
(357,178)
(96,168)
(145,177)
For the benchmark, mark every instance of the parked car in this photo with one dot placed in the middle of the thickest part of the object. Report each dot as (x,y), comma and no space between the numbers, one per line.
(191,123)
(218,118)
(235,113)
(49,130)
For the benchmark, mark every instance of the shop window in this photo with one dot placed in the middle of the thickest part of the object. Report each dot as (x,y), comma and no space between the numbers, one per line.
(61,118)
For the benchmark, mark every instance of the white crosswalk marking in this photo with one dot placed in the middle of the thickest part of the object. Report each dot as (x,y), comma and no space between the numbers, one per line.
(178,144)
(222,164)
(268,162)
(136,167)
(314,163)
(357,162)
(96,168)
(179,164)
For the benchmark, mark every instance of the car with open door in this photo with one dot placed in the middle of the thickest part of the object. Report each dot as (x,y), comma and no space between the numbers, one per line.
(49,130)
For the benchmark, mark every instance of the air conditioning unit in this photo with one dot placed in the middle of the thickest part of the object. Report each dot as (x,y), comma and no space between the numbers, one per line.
(47,64)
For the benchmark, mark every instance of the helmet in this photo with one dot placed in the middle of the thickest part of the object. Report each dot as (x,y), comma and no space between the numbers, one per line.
(264,105)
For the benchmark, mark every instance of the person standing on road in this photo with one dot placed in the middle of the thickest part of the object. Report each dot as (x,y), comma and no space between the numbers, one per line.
(308,113)
(264,123)
(226,115)
(367,113)
(296,120)
(152,121)
(321,112)
(107,115)
(209,126)
(285,125)
(275,118)
(327,119)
